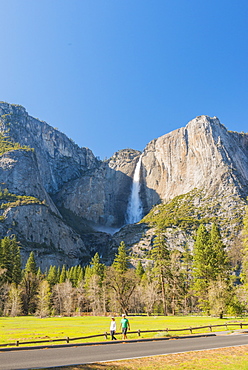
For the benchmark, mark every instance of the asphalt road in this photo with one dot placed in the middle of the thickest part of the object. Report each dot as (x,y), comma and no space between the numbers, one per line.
(51,357)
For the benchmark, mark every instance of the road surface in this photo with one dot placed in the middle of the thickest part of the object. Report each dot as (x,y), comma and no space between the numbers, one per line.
(49,357)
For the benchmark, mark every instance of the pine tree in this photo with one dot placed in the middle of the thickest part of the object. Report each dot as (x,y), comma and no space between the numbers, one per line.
(80,275)
(29,285)
(220,261)
(202,254)
(121,261)
(39,274)
(74,276)
(10,260)
(161,257)
(52,276)
(210,262)
(97,267)
(122,280)
(140,270)
(6,259)
(16,257)
(31,264)
(62,277)
(58,274)
(87,273)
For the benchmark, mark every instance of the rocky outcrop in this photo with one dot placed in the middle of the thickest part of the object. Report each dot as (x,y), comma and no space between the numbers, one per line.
(43,232)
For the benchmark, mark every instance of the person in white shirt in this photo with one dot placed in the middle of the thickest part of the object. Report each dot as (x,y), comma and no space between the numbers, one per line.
(113,328)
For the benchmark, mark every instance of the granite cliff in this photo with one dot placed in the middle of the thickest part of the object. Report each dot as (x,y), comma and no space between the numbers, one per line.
(65,204)
(204,154)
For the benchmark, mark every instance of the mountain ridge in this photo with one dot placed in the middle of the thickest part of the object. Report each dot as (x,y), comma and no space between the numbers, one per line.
(81,194)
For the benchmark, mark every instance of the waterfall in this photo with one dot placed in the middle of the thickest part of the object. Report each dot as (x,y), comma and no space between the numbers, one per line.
(134,207)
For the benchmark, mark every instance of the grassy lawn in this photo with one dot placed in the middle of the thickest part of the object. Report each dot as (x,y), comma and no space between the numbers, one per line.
(34,328)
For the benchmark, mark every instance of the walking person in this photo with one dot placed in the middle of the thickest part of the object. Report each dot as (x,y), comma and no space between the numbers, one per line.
(124,326)
(113,328)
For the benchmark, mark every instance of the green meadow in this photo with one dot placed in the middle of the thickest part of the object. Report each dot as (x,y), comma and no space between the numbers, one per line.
(30,328)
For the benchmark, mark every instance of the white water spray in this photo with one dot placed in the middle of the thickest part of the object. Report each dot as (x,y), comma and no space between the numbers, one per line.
(134,207)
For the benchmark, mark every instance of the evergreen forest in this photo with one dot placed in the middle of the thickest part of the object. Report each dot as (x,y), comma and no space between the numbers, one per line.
(171,281)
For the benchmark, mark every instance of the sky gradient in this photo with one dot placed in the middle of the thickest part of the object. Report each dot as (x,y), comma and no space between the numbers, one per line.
(115,74)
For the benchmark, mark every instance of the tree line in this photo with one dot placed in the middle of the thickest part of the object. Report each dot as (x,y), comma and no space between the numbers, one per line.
(170,282)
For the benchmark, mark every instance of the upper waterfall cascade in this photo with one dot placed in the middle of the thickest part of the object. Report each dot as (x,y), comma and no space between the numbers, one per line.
(134,208)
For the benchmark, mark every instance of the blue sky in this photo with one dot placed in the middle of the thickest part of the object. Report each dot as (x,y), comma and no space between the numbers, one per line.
(115,74)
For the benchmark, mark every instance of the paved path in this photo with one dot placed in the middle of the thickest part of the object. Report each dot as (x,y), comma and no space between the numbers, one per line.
(49,357)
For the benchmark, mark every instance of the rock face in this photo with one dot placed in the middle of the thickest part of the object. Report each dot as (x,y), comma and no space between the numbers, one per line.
(68,203)
(202,155)
(19,173)
(101,194)
(54,242)
(59,159)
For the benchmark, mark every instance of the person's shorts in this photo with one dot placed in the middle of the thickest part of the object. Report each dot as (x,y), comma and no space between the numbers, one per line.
(124,330)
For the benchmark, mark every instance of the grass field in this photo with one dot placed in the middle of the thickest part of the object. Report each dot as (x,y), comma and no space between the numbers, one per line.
(34,328)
